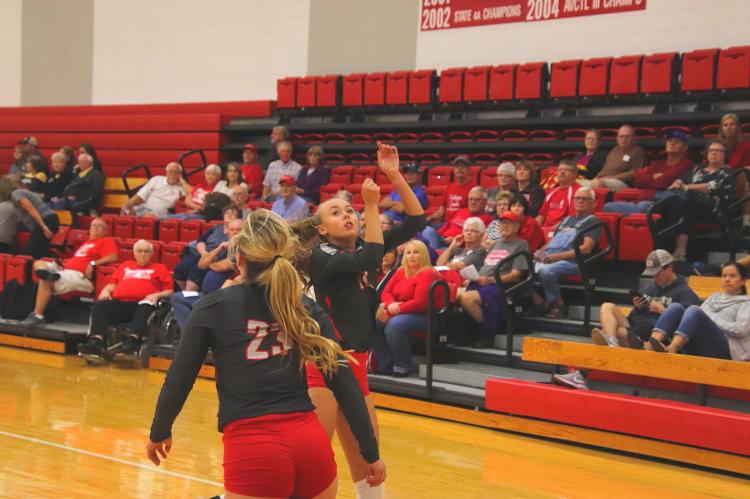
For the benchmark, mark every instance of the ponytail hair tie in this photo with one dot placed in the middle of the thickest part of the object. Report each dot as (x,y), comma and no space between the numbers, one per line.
(276,258)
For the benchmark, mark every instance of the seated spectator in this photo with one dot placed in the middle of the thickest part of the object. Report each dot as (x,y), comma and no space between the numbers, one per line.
(719,328)
(34,178)
(285,166)
(278,134)
(502,204)
(590,163)
(30,147)
(506,182)
(454,226)
(648,306)
(252,173)
(698,197)
(84,193)
(556,259)
(131,296)
(288,204)
(558,203)
(8,225)
(234,177)
(657,176)
(313,175)
(456,193)
(738,156)
(70,158)
(195,197)
(87,148)
(59,178)
(158,195)
(621,163)
(392,204)
(75,273)
(388,265)
(483,299)
(529,230)
(35,216)
(240,198)
(18,167)
(403,310)
(527,186)
(465,249)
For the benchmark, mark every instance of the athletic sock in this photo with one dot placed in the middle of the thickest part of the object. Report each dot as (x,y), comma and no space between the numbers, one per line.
(39,316)
(364,491)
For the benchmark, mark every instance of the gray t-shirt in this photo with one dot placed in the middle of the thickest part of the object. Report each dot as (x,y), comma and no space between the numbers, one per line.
(36,202)
(499,251)
(8,222)
(473,257)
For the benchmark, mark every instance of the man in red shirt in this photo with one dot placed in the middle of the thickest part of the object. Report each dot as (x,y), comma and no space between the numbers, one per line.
(457,192)
(131,295)
(251,171)
(75,273)
(558,203)
(455,226)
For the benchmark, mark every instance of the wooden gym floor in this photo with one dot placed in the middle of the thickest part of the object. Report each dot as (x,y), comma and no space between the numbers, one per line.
(70,430)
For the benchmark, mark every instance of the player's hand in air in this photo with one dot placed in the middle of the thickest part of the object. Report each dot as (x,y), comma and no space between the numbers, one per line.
(156,449)
(388,160)
(370,192)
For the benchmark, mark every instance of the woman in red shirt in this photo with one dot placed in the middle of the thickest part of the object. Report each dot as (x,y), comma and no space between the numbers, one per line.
(529,230)
(730,130)
(403,308)
(252,174)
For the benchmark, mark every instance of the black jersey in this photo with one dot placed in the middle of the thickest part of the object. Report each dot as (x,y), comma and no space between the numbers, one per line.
(344,282)
(257,372)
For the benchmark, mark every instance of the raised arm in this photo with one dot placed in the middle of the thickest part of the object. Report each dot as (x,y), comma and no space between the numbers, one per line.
(389,164)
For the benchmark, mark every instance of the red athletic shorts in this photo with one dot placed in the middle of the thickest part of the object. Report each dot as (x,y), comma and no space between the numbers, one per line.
(315,378)
(278,455)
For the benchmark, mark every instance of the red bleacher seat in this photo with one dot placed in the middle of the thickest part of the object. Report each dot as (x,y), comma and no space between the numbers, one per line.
(734,68)
(169,230)
(628,194)
(306,91)
(158,246)
(612,220)
(698,70)
(397,88)
(360,138)
(125,249)
(421,86)
(170,253)
(407,137)
(510,156)
(385,189)
(21,238)
(361,157)
(286,93)
(329,190)
(502,82)
(531,80)
(460,136)
(3,258)
(564,79)
(375,89)
(18,267)
(352,93)
(191,230)
(360,173)
(341,175)
(435,195)
(635,239)
(327,89)
(488,177)
(594,74)
(431,137)
(123,226)
(657,73)
(439,176)
(382,179)
(624,75)
(334,138)
(451,85)
(144,228)
(486,135)
(515,135)
(103,274)
(75,238)
(542,134)
(476,82)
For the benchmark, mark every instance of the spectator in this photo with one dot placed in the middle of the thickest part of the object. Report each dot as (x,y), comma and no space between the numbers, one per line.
(278,134)
(158,195)
(527,186)
(34,178)
(403,310)
(240,197)
(719,328)
(131,296)
(557,258)
(234,177)
(84,193)
(8,225)
(465,249)
(289,205)
(284,166)
(559,202)
(502,204)
(252,173)
(738,149)
(454,226)
(18,167)
(529,230)
(36,217)
(657,176)
(30,148)
(699,195)
(392,204)
(456,193)
(389,264)
(70,158)
(590,163)
(87,148)
(195,197)
(313,175)
(506,182)
(483,299)
(622,162)
(59,178)
(75,273)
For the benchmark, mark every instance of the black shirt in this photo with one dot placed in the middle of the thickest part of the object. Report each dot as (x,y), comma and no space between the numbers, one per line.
(344,282)
(256,373)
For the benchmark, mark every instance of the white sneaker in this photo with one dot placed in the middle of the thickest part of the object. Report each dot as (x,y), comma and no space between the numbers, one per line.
(599,338)
(573,379)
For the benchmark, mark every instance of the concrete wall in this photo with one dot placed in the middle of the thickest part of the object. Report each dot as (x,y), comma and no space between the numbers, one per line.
(10,55)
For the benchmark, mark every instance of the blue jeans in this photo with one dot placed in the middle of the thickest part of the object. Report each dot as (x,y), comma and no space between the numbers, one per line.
(430,233)
(704,338)
(186,216)
(182,307)
(392,347)
(627,208)
(550,274)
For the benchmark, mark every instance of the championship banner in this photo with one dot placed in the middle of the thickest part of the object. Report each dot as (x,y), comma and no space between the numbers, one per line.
(451,14)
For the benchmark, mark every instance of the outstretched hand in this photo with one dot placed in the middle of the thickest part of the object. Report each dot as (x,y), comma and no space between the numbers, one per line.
(156,449)
(370,192)
(388,159)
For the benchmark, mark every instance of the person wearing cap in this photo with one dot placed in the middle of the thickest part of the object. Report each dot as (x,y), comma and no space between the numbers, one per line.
(622,162)
(483,299)
(392,204)
(559,201)
(649,303)
(30,147)
(313,175)
(591,161)
(158,195)
(506,182)
(657,176)
(252,173)
(284,166)
(289,205)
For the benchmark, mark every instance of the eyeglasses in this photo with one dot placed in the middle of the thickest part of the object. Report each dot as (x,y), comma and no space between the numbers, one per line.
(718,150)
(582,198)
(565,170)
(476,200)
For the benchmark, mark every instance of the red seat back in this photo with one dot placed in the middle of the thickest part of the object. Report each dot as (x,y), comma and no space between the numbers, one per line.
(306,91)
(375,89)
(476,83)
(124,226)
(327,89)
(439,175)
(329,190)
(286,93)
(734,68)
(18,267)
(531,79)
(635,239)
(488,177)
(190,230)
(502,82)
(594,74)
(103,274)
(451,85)
(421,86)
(397,88)
(3,258)
(624,75)
(125,249)
(360,173)
(352,92)
(698,70)
(564,79)
(612,220)
(341,175)
(170,254)
(169,230)
(145,228)
(158,246)
(657,74)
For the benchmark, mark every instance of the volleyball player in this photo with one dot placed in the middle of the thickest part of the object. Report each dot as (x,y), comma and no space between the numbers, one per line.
(261,333)
(343,271)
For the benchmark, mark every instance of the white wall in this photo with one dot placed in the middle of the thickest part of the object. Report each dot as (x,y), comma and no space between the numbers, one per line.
(665,25)
(10,54)
(198,50)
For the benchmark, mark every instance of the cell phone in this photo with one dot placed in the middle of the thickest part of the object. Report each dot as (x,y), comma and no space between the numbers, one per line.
(634,293)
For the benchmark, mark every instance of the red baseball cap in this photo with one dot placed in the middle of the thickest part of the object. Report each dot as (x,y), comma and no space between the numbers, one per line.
(250,147)
(509,215)
(287,179)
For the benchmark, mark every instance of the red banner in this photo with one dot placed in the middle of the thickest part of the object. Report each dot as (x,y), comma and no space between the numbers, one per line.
(451,14)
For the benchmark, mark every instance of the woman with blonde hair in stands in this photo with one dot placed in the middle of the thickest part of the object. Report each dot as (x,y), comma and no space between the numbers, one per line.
(262,331)
(403,310)
(233,178)
(738,156)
